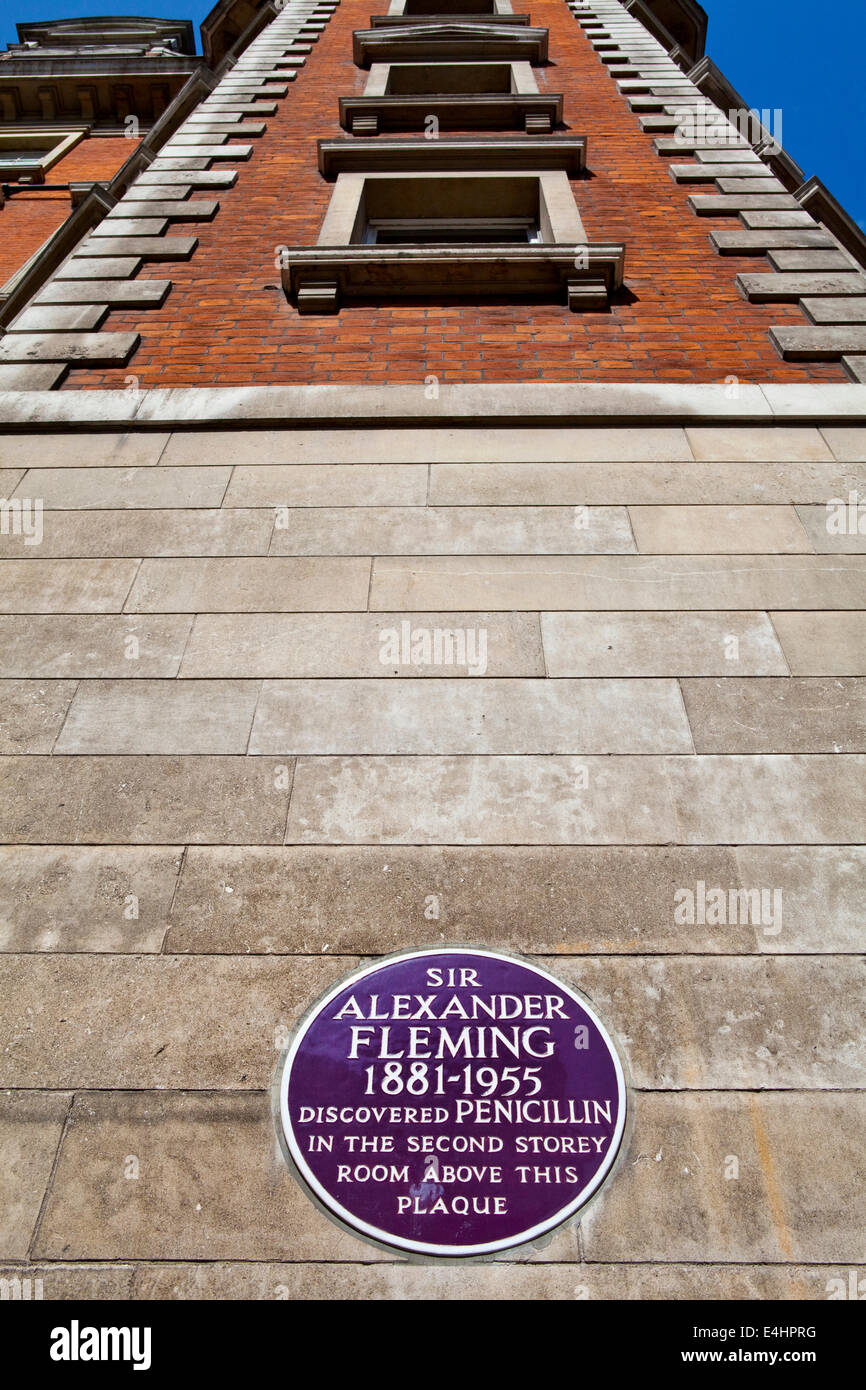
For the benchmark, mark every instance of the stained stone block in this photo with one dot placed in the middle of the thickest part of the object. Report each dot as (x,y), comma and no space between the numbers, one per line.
(31,1124)
(750,185)
(65,586)
(788,287)
(845,310)
(108,487)
(761,444)
(453,530)
(152,532)
(143,800)
(44,451)
(114,294)
(105,268)
(670,1199)
(23,377)
(314,484)
(603,582)
(834,529)
(81,898)
(88,349)
(155,248)
(585,800)
(825,344)
(722,482)
(254,585)
(573,901)
(808,260)
(791,715)
(661,644)
(116,226)
(730,204)
(32,715)
(160,717)
(69,645)
(298,645)
(59,319)
(404,1282)
(200,178)
(192,210)
(823,644)
(432,445)
(465,716)
(757,242)
(684,530)
(757,220)
(125,1020)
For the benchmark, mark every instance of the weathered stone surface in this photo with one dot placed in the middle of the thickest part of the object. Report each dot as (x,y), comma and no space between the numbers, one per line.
(142,800)
(87,349)
(46,452)
(30,1128)
(687,530)
(846,310)
(661,644)
(570,900)
(823,644)
(586,800)
(432,444)
(817,260)
(797,1198)
(453,531)
(612,582)
(108,488)
(758,443)
(151,532)
(458,716)
(684,1023)
(155,1022)
(27,377)
(275,584)
(59,318)
(130,226)
(32,714)
(115,294)
(104,268)
(564,484)
(787,286)
(848,442)
(323,485)
(167,716)
(798,344)
(791,715)
(62,645)
(352,644)
(85,899)
(65,586)
(496,1281)
(835,529)
(59,1283)
(148,248)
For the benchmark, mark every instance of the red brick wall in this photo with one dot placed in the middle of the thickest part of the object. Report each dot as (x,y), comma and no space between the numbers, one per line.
(28,219)
(226,322)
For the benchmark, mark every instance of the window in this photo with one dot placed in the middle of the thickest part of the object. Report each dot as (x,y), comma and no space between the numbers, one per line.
(27,154)
(460,96)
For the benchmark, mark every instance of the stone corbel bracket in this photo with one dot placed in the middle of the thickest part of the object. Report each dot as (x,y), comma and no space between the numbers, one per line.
(321,279)
(467,153)
(437,42)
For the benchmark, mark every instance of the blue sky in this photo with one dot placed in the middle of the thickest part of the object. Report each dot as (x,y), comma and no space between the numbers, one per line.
(785,54)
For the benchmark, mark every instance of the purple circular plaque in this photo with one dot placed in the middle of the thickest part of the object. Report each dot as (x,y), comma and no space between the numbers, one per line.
(452,1102)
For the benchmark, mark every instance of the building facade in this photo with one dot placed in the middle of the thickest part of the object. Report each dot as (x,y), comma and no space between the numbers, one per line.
(433,456)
